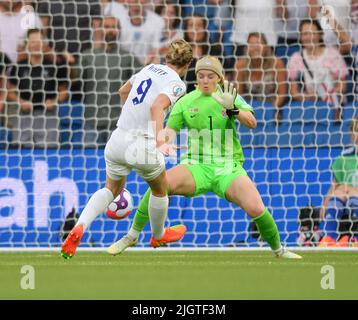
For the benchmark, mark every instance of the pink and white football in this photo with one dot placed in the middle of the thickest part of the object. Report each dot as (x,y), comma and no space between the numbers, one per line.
(121,206)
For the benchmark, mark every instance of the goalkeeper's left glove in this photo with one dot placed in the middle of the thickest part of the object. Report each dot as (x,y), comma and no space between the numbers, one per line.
(227,97)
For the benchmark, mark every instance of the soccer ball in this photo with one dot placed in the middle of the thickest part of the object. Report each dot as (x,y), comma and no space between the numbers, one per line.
(121,206)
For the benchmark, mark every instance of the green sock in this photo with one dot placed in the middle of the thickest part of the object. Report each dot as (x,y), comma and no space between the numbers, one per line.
(268,229)
(141,217)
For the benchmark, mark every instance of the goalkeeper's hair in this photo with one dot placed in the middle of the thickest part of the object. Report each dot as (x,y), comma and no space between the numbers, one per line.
(180,53)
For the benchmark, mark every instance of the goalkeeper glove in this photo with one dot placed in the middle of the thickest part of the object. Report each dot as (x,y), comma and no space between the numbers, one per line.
(227,97)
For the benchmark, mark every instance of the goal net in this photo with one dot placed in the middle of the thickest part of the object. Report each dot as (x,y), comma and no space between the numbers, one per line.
(52,154)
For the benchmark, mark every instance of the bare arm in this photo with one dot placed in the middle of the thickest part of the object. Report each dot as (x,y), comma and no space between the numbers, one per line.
(345,40)
(340,88)
(2,93)
(97,32)
(314,8)
(169,135)
(13,96)
(62,93)
(295,91)
(281,78)
(329,194)
(161,103)
(60,97)
(247,119)
(281,9)
(124,91)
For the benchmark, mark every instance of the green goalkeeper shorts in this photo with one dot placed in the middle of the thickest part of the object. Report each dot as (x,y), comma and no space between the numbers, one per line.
(214,178)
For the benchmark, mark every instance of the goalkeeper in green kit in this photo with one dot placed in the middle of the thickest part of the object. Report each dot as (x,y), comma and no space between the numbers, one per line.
(215,157)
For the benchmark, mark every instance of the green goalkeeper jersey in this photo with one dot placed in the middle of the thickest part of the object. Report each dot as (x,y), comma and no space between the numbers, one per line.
(212,136)
(345,168)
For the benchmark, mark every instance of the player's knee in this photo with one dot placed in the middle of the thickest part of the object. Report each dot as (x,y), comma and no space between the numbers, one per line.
(256,210)
(158,185)
(158,188)
(114,189)
(341,191)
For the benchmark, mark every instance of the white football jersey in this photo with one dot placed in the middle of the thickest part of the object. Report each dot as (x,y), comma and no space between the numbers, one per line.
(151,81)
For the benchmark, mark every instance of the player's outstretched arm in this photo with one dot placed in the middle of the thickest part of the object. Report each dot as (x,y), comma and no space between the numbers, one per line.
(161,103)
(124,91)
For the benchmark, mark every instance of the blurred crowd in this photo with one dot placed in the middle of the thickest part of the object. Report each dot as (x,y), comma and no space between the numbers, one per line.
(62,61)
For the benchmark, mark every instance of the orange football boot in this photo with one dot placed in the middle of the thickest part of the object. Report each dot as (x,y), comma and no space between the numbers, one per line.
(171,234)
(72,241)
(327,241)
(343,242)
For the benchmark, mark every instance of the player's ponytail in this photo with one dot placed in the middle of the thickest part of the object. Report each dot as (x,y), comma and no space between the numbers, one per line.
(180,53)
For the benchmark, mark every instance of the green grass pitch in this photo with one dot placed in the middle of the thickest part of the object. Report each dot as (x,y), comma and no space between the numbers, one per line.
(179,275)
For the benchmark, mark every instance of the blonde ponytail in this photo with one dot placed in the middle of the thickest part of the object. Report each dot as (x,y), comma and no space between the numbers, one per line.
(180,53)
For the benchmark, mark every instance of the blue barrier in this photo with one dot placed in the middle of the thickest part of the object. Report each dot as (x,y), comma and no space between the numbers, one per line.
(71,116)
(302,124)
(38,188)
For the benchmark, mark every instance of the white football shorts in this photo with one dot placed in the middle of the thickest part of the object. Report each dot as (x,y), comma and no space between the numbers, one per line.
(126,151)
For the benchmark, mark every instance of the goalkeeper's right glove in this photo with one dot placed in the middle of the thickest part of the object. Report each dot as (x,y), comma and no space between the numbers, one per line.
(227,97)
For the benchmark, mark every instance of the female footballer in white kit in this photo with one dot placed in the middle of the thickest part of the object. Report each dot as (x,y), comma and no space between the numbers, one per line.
(136,142)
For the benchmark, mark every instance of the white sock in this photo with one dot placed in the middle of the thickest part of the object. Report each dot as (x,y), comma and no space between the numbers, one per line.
(158,208)
(95,206)
(133,233)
